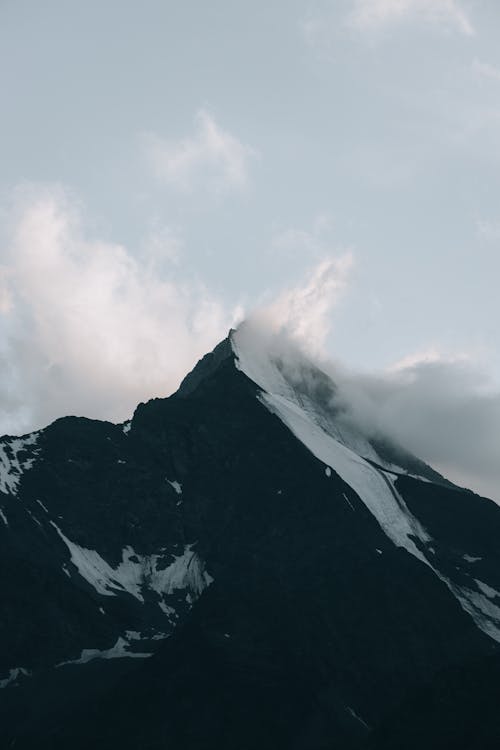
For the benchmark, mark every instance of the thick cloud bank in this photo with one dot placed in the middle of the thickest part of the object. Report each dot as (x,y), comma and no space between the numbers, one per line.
(87,328)
(444,411)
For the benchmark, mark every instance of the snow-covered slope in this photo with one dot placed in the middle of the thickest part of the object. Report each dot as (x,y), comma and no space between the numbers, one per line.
(284,372)
(303,398)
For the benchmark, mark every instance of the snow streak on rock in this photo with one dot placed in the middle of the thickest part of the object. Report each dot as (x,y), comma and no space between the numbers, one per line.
(137,573)
(120,650)
(14,675)
(176,485)
(314,425)
(16,457)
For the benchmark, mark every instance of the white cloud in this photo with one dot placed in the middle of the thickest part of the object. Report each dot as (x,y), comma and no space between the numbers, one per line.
(211,159)
(416,359)
(488,230)
(86,328)
(486,70)
(293,241)
(374,15)
(303,312)
(162,244)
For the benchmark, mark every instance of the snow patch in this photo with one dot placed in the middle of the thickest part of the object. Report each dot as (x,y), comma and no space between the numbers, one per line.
(34,518)
(3,517)
(13,675)
(348,501)
(487,590)
(470,559)
(328,471)
(186,572)
(316,428)
(126,426)
(379,493)
(12,462)
(372,485)
(291,375)
(137,572)
(118,651)
(176,485)
(169,611)
(357,717)
(375,489)
(485,614)
(132,635)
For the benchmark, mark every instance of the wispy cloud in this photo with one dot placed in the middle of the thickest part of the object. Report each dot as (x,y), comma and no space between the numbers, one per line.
(89,328)
(211,159)
(375,15)
(296,241)
(486,70)
(488,229)
(162,244)
(85,327)
(304,312)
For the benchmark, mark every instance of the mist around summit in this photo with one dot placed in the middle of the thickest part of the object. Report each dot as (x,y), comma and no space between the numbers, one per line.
(91,331)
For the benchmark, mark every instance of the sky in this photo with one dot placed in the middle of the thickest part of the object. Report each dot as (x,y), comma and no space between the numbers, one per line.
(167,168)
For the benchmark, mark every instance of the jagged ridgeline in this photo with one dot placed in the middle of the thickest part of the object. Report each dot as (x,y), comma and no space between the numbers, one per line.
(240,567)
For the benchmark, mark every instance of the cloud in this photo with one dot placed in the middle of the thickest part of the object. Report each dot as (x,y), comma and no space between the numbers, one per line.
(212,159)
(376,15)
(87,328)
(443,409)
(486,70)
(303,312)
(488,230)
(294,241)
(162,245)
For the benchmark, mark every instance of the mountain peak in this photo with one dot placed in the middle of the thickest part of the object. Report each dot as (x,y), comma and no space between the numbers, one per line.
(206,366)
(251,552)
(290,382)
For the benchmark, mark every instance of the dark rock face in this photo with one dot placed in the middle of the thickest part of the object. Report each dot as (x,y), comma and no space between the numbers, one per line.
(293,620)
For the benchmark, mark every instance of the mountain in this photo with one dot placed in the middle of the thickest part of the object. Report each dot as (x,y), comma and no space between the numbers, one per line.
(239,566)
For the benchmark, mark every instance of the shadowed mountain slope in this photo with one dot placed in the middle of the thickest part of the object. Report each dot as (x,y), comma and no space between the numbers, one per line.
(237,569)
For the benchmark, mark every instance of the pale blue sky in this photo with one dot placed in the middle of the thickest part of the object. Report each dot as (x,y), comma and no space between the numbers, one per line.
(228,148)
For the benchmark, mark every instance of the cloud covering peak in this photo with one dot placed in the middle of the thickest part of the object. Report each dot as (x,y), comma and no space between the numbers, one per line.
(443,410)
(303,312)
(89,329)
(86,327)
